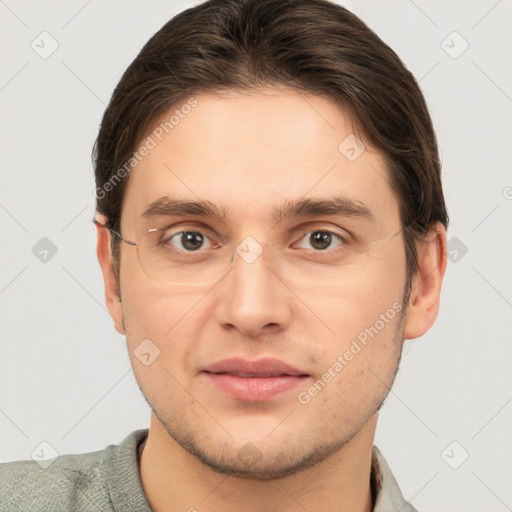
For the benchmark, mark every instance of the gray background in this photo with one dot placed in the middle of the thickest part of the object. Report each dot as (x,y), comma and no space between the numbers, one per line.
(65,374)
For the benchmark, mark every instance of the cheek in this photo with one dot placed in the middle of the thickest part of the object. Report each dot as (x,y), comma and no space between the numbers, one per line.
(364,309)
(374,285)
(154,310)
(152,313)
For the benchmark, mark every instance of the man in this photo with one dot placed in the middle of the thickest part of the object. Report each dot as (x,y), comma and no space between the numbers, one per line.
(271,227)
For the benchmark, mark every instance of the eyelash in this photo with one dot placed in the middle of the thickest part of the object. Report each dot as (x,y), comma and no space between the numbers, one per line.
(336,236)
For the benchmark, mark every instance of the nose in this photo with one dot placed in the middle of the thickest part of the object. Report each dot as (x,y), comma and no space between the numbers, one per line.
(252,298)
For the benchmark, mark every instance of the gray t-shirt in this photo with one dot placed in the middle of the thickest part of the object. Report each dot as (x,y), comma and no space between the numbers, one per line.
(109,481)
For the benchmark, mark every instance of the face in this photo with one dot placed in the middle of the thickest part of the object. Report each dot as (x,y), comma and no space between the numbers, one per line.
(323,295)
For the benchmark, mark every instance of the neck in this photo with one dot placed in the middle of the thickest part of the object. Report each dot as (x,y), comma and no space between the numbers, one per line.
(173,479)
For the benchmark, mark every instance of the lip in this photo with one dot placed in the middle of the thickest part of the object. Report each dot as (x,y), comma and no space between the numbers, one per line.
(254,381)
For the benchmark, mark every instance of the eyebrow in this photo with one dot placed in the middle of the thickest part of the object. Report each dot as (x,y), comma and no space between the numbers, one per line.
(310,207)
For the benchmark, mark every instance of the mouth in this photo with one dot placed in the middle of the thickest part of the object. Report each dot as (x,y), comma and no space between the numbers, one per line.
(253,375)
(254,381)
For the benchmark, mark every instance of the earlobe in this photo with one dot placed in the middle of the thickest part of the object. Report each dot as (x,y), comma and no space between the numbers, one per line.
(426,284)
(112,298)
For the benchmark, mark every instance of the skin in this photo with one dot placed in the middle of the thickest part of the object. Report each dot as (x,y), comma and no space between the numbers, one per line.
(251,151)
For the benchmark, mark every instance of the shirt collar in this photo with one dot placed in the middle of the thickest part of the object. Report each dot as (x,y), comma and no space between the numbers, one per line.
(386,492)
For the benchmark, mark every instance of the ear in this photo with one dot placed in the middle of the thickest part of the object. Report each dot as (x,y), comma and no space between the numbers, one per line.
(426,284)
(112,297)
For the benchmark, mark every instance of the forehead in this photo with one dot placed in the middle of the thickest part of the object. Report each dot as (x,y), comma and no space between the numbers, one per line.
(247,152)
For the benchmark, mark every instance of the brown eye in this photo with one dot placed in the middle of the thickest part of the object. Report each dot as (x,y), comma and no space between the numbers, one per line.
(187,240)
(321,240)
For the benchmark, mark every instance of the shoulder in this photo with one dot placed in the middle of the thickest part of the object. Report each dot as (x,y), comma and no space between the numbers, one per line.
(69,483)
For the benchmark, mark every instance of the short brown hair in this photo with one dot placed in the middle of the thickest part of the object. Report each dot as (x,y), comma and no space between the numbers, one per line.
(312,46)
